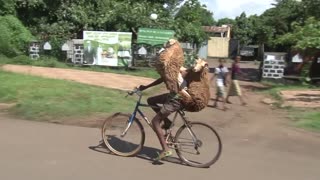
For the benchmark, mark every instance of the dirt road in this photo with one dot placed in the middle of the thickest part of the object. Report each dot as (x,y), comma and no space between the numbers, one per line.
(259,143)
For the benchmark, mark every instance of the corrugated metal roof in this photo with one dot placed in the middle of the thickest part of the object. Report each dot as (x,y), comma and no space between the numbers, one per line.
(216,29)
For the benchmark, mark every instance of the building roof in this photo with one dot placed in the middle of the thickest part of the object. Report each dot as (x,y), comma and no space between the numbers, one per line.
(215,29)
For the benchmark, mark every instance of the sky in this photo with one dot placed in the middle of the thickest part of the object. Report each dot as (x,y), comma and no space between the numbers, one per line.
(233,8)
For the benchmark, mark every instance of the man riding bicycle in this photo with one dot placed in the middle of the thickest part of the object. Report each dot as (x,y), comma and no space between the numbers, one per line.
(169,61)
(171,103)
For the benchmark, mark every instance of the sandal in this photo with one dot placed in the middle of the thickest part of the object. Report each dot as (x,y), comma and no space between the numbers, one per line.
(163,154)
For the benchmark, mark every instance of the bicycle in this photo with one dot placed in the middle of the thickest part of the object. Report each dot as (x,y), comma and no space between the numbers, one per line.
(124,135)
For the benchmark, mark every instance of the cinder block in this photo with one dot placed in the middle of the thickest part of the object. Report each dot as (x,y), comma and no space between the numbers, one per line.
(267,67)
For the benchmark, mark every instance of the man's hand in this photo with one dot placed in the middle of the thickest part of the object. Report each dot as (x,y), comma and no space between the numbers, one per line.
(142,87)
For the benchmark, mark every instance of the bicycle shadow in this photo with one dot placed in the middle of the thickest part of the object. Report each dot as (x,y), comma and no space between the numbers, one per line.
(147,153)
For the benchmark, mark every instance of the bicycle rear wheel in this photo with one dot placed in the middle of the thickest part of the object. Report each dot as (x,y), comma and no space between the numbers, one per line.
(123,145)
(203,150)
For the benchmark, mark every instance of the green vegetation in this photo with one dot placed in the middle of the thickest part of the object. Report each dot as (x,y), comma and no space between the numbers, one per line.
(304,118)
(273,89)
(14,37)
(59,20)
(46,99)
(309,120)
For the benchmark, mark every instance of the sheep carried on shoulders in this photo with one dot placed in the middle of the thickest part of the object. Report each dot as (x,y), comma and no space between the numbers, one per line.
(192,85)
(198,87)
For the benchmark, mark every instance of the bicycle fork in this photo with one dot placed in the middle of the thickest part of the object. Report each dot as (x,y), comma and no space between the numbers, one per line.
(130,121)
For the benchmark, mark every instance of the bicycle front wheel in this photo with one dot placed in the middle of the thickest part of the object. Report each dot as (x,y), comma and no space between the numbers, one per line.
(121,137)
(198,145)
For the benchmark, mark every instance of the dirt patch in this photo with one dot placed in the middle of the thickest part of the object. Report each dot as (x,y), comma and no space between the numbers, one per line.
(301,98)
(109,80)
(6,106)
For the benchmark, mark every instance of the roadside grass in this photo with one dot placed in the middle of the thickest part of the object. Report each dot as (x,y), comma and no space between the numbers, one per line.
(307,119)
(274,89)
(302,117)
(44,99)
(52,62)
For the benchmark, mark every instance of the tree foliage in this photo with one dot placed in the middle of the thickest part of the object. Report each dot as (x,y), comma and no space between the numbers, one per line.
(14,37)
(189,21)
(7,7)
(289,23)
(305,36)
(60,20)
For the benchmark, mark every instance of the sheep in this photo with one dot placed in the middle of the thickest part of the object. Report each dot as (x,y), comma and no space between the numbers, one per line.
(198,87)
(168,64)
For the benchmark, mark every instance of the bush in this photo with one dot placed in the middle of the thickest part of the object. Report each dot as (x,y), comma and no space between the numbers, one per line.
(22,59)
(48,61)
(14,37)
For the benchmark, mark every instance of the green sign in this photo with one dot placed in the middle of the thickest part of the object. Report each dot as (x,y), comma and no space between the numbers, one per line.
(154,36)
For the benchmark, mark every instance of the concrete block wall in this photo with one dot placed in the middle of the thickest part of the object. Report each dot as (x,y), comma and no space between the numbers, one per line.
(273,68)
(78,54)
(34,51)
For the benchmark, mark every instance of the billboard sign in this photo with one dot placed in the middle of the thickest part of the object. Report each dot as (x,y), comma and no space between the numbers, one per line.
(107,48)
(154,36)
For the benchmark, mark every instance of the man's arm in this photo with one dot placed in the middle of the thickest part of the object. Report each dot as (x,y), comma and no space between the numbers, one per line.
(154,83)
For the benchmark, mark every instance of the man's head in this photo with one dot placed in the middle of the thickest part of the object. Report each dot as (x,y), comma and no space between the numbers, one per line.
(221,62)
(237,59)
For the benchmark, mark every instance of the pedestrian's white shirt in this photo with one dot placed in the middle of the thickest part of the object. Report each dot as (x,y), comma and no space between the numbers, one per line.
(220,73)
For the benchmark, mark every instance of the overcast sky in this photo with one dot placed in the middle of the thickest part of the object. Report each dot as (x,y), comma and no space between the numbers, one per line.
(233,8)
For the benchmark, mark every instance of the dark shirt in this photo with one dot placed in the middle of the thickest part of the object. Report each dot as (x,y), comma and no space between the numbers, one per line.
(235,70)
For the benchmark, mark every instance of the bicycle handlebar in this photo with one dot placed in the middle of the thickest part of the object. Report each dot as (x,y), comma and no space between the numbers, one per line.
(135,91)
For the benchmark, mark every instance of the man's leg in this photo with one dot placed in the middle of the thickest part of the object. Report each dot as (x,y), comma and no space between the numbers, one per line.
(159,99)
(156,126)
(239,93)
(242,101)
(216,101)
(169,107)
(223,97)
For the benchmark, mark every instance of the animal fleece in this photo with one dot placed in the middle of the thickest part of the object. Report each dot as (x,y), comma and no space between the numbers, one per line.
(168,64)
(198,87)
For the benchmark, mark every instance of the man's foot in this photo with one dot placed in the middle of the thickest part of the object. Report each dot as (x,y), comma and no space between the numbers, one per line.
(244,104)
(228,102)
(164,154)
(167,124)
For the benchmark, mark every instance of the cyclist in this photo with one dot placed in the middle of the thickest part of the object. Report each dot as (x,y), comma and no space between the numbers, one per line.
(171,103)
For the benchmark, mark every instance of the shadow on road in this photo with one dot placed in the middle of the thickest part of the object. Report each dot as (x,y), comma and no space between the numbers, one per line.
(147,153)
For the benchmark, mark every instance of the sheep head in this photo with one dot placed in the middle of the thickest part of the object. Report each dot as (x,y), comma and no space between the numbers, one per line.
(200,64)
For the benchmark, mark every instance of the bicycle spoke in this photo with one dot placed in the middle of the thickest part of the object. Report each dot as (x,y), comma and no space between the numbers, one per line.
(199,145)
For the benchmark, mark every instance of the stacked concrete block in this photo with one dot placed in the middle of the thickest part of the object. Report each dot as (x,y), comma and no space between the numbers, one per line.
(34,50)
(273,66)
(77,51)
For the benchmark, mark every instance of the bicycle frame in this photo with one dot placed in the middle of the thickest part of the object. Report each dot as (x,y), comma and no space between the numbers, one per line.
(137,110)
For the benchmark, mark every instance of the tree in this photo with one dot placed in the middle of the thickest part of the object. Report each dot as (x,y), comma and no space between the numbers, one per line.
(226,21)
(189,21)
(311,8)
(14,37)
(303,37)
(243,30)
(7,7)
